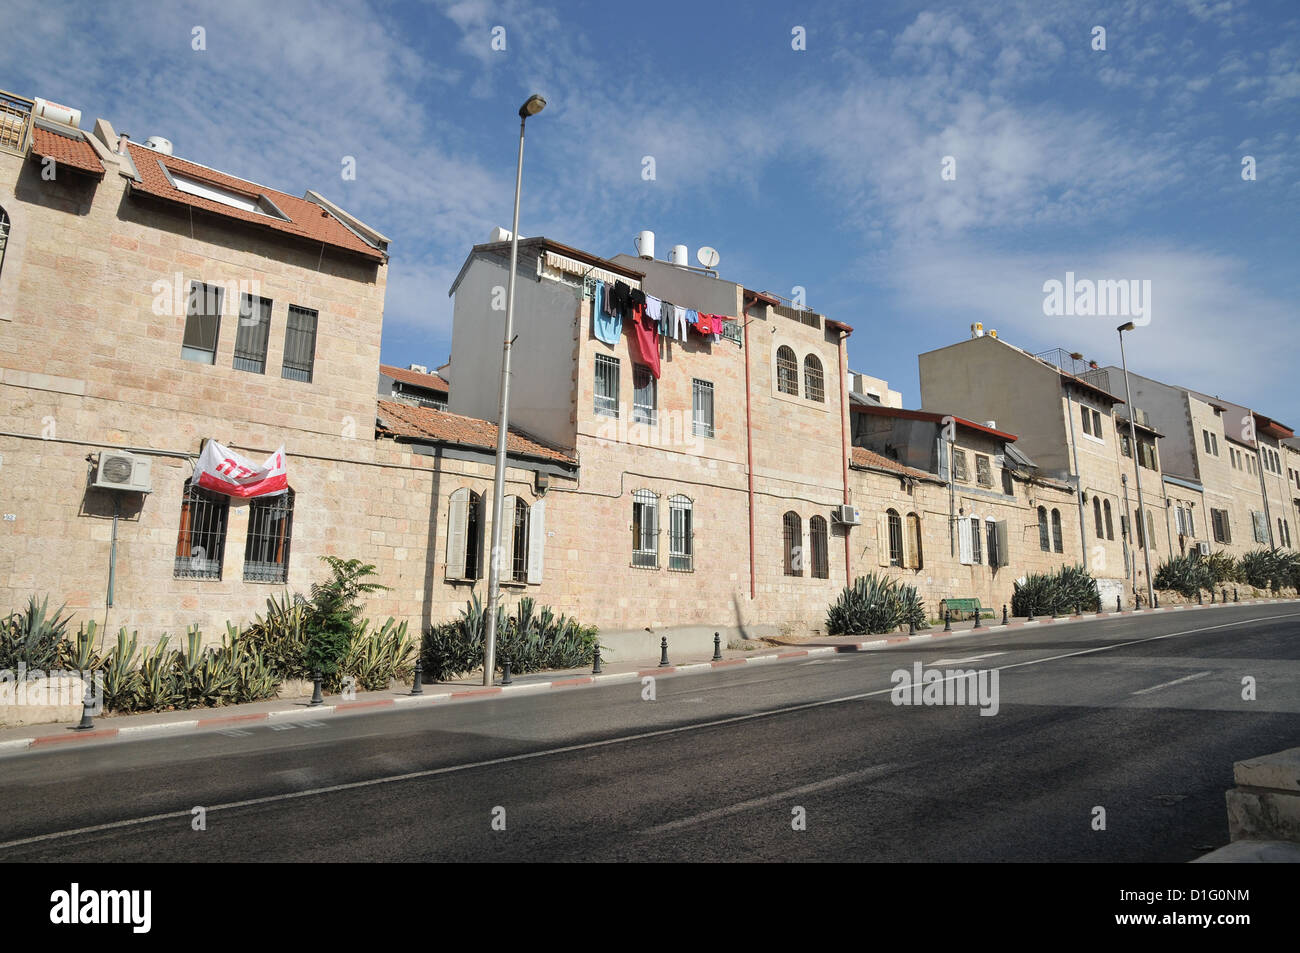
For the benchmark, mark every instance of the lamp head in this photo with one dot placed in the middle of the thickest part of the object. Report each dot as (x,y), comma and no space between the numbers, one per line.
(532,106)
(1127,326)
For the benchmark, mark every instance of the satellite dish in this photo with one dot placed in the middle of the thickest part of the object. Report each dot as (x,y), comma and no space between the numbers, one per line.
(708,256)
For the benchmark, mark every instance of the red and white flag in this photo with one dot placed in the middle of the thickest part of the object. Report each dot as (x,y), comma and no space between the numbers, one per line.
(224,471)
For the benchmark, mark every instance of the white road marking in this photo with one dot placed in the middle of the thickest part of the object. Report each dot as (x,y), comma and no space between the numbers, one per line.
(1176,681)
(771,799)
(605,743)
(973,658)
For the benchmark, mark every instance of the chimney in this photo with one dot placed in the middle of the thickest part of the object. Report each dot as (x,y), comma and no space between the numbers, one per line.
(121,144)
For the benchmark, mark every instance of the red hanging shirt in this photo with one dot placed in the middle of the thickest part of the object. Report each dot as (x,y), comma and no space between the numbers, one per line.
(646,335)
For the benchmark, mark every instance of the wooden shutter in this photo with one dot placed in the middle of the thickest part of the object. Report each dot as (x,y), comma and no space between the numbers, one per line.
(457,517)
(905,537)
(912,525)
(882,538)
(536,541)
(963,541)
(1004,558)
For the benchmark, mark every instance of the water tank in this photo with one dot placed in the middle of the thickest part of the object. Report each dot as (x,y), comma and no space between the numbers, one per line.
(977,330)
(680,256)
(499,234)
(45,109)
(645,244)
(991,424)
(159,144)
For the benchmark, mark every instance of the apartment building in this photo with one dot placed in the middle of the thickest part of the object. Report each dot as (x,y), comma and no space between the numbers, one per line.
(413,385)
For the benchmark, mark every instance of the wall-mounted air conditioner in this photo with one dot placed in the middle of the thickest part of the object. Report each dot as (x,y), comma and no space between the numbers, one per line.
(847,515)
(1203,547)
(119,470)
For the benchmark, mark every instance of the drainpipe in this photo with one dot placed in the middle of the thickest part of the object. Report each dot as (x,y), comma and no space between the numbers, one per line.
(844,451)
(1169,530)
(749,444)
(1078,495)
(1128,518)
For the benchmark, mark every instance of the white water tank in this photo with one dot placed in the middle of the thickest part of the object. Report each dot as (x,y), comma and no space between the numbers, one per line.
(645,244)
(977,330)
(159,144)
(499,234)
(680,256)
(45,109)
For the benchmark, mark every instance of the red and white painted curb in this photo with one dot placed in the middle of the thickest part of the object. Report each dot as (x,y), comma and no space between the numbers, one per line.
(302,712)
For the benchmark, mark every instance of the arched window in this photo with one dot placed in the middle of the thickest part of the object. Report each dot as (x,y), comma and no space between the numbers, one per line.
(266,548)
(4,238)
(895,537)
(793,529)
(1110,527)
(1056,532)
(1096,515)
(681,549)
(464,535)
(514,539)
(645,529)
(814,383)
(201,542)
(821,567)
(916,560)
(787,371)
(1044,540)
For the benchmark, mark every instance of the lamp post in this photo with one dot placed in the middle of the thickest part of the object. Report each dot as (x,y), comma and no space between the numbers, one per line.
(1137,469)
(531,107)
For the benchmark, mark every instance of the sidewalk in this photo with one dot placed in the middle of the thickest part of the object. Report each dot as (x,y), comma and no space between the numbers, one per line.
(470,688)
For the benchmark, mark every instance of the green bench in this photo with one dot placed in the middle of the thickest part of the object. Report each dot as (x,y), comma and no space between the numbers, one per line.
(969,606)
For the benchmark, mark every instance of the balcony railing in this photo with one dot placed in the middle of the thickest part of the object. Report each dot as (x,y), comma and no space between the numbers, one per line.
(15,121)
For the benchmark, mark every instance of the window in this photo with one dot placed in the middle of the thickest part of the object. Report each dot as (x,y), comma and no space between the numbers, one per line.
(201,542)
(1008,487)
(793,531)
(1281,537)
(1188,522)
(814,384)
(645,530)
(895,527)
(1141,533)
(1211,443)
(1125,447)
(1250,465)
(680,536)
(959,466)
(983,470)
(202,323)
(1110,527)
(915,558)
(464,535)
(787,371)
(299,344)
(1259,523)
(1096,424)
(1220,527)
(1056,532)
(702,408)
(1147,454)
(820,556)
(1096,516)
(1044,540)
(975,533)
(994,546)
(606,385)
(252,334)
(1087,420)
(266,550)
(514,525)
(644,398)
(4,237)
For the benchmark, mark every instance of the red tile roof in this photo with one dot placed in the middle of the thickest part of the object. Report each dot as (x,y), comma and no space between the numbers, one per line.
(865,459)
(307,219)
(426,423)
(415,378)
(76,153)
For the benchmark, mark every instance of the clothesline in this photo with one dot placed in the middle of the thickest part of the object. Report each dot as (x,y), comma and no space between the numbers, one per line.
(652,319)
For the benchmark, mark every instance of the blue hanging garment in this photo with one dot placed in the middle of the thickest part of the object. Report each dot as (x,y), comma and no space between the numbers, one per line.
(606,327)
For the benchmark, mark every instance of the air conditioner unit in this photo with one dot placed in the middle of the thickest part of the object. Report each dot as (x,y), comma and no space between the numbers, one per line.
(118,470)
(1203,547)
(848,515)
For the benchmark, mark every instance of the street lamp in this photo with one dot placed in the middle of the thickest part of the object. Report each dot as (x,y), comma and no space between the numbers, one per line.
(531,107)
(1137,470)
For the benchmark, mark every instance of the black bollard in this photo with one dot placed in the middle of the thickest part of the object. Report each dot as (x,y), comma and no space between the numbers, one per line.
(1225,593)
(1005,620)
(1118,607)
(717,647)
(595,666)
(977,617)
(316,697)
(87,702)
(1155,603)
(505,675)
(1031,612)
(663,652)
(1211,597)
(1234,594)
(947,620)
(417,688)
(1200,601)
(911,627)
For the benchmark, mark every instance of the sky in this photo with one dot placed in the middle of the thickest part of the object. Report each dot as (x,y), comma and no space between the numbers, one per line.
(913,167)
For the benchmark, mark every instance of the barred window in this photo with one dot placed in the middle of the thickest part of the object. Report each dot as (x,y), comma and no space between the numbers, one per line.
(681,548)
(519,540)
(643,395)
(991,533)
(787,371)
(975,530)
(792,528)
(821,568)
(895,537)
(201,542)
(959,470)
(1044,540)
(266,550)
(645,529)
(202,323)
(702,408)
(1057,545)
(814,384)
(983,470)
(606,385)
(252,334)
(299,344)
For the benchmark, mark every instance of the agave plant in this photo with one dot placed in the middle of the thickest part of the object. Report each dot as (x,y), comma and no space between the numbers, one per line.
(34,637)
(122,681)
(875,604)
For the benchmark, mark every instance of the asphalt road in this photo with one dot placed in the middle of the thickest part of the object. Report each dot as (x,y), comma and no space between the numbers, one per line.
(1141,716)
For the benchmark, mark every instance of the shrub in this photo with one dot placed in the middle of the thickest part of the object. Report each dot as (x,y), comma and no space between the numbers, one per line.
(280,636)
(34,637)
(375,658)
(1187,575)
(333,611)
(875,604)
(1223,568)
(1270,568)
(1071,588)
(531,639)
